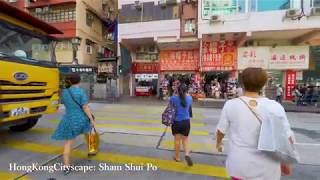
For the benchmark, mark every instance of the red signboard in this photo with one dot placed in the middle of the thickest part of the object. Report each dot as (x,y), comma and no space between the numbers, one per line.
(145,68)
(291,83)
(218,56)
(179,60)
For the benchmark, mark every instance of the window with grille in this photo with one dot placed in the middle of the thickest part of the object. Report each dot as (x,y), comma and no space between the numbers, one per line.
(56,14)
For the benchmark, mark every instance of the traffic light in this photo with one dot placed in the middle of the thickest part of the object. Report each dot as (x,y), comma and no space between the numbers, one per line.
(120,69)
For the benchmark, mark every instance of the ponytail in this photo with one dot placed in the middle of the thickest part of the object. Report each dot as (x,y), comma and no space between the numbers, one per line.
(182,90)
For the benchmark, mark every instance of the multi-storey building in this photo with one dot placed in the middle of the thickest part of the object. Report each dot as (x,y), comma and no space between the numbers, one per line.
(214,40)
(89,33)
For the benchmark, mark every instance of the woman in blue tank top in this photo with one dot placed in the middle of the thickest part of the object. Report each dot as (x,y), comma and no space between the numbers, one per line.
(181,125)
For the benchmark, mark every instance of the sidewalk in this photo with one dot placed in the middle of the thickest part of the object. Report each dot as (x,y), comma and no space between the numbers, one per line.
(202,103)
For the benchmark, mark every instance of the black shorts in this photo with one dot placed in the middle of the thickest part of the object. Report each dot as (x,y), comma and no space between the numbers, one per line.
(181,127)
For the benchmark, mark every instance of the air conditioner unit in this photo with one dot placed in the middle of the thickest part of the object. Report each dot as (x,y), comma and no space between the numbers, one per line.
(137,5)
(105,2)
(215,19)
(140,49)
(38,10)
(315,11)
(292,13)
(163,3)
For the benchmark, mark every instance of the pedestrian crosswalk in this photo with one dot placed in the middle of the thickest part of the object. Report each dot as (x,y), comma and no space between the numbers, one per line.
(4,175)
(166,165)
(141,124)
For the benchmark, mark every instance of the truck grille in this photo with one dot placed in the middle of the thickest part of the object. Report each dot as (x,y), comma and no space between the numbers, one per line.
(21,91)
(8,83)
(23,99)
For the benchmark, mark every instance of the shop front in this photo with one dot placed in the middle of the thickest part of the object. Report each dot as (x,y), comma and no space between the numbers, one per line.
(284,65)
(145,77)
(218,68)
(179,66)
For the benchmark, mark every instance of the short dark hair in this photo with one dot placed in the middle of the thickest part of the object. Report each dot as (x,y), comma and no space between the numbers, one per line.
(253,79)
(73,79)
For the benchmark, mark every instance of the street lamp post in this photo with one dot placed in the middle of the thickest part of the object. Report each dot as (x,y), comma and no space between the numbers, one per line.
(76,41)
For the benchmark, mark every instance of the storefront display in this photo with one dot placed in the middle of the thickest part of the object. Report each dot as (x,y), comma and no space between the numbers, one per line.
(145,78)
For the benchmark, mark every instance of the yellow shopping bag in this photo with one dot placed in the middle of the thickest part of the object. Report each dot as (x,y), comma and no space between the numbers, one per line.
(92,139)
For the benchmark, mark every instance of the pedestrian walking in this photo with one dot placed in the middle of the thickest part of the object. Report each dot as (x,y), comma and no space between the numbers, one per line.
(297,96)
(239,91)
(181,125)
(279,94)
(244,160)
(76,121)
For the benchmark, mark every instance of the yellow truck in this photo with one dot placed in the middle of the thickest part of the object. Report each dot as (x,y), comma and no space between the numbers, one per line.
(29,76)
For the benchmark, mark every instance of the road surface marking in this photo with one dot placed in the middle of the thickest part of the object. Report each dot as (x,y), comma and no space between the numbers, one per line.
(10,175)
(196,147)
(131,120)
(143,128)
(166,165)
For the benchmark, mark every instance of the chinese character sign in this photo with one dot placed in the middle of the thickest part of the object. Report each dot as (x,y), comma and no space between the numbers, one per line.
(253,57)
(291,82)
(289,57)
(108,68)
(145,68)
(179,60)
(218,55)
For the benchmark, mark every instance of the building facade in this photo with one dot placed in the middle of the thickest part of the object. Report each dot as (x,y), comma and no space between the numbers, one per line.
(210,42)
(89,36)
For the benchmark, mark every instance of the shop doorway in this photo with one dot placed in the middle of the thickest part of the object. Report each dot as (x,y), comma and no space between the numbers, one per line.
(219,84)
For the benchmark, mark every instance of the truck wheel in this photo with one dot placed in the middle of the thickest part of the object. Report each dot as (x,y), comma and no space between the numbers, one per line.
(26,126)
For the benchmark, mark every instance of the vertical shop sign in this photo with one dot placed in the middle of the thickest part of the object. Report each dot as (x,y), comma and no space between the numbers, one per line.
(291,82)
(218,56)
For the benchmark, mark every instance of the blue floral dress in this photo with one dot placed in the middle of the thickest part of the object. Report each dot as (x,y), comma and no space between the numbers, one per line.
(74,121)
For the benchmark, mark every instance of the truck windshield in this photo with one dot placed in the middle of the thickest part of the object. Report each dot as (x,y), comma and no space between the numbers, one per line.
(22,44)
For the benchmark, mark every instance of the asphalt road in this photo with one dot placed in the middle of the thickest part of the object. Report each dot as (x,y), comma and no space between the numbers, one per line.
(134,145)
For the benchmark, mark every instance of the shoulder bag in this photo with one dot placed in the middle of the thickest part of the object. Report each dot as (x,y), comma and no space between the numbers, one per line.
(273,139)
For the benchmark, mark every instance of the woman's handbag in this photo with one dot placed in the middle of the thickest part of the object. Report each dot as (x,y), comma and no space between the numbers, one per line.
(273,139)
(93,141)
(169,114)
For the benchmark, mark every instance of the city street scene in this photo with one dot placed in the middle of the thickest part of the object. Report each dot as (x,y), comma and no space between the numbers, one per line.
(159,89)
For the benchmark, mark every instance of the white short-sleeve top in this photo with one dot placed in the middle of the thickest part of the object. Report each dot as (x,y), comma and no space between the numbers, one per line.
(244,161)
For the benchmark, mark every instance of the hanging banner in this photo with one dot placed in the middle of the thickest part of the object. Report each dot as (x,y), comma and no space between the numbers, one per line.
(253,57)
(291,83)
(289,57)
(218,56)
(145,68)
(179,60)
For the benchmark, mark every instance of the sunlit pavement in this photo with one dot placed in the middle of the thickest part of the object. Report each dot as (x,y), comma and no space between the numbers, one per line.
(131,136)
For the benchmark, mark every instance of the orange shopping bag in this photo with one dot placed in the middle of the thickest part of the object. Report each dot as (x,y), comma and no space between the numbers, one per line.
(93,139)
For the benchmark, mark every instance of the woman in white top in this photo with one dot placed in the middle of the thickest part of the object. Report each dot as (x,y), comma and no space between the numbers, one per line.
(244,160)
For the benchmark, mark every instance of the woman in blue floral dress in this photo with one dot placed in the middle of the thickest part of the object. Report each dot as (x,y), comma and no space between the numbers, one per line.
(76,119)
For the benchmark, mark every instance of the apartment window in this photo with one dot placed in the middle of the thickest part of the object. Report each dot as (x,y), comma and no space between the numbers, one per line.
(219,7)
(89,18)
(190,25)
(148,11)
(55,14)
(316,3)
(89,48)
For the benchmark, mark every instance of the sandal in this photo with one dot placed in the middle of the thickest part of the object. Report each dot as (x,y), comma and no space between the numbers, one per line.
(189,161)
(176,160)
